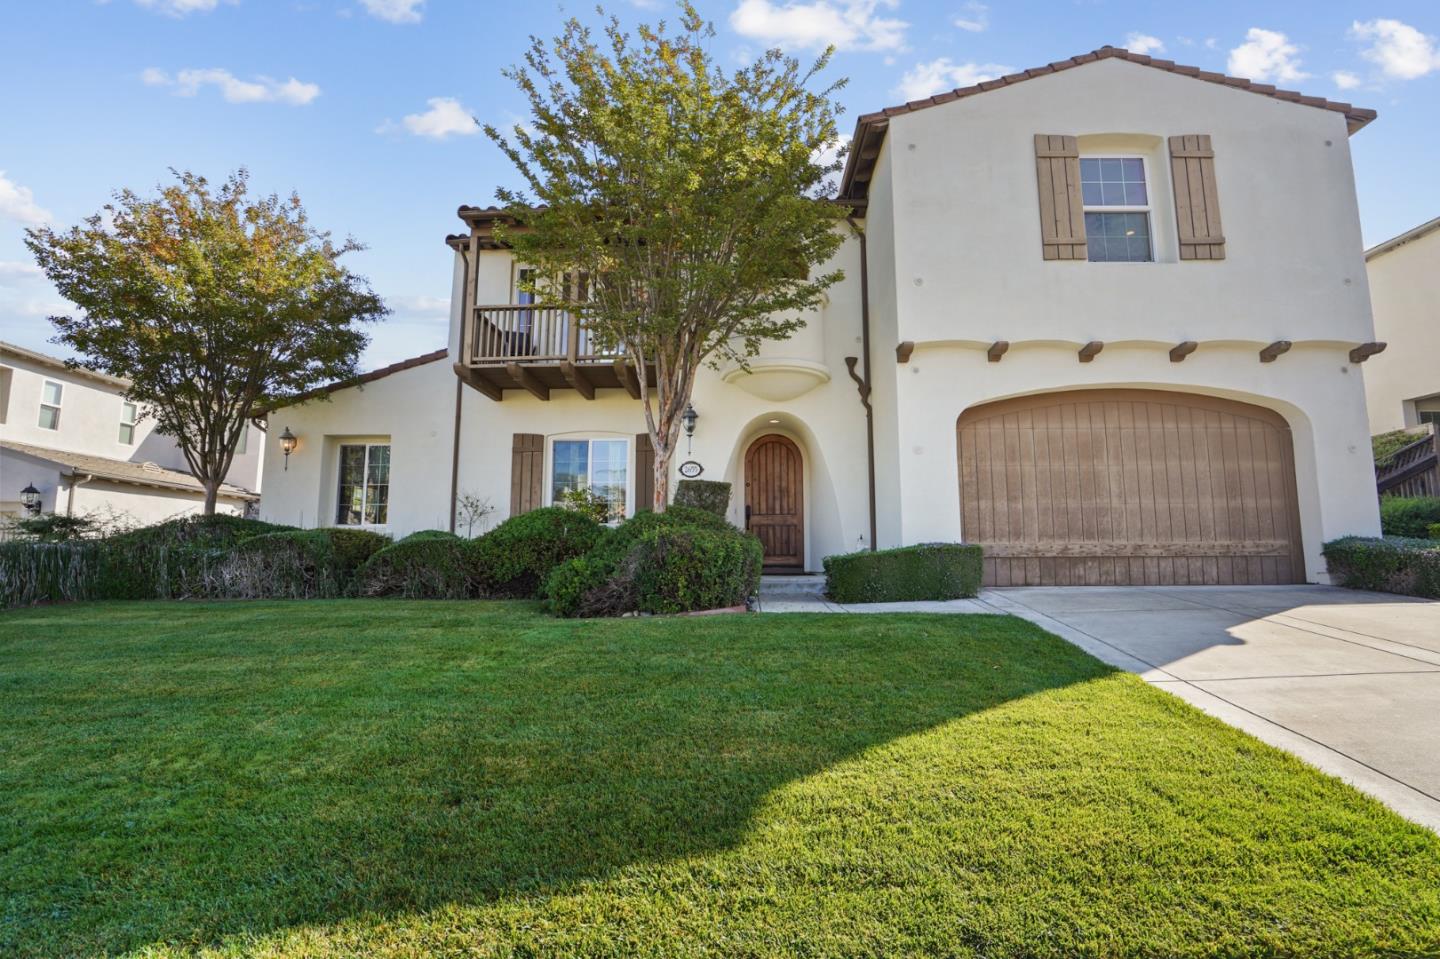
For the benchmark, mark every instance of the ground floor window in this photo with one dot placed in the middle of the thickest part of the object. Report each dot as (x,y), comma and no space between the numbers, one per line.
(364,494)
(600,466)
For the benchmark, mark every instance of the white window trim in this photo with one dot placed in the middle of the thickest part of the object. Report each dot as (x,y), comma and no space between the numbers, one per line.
(1148,209)
(58,407)
(339,466)
(629,442)
(134,418)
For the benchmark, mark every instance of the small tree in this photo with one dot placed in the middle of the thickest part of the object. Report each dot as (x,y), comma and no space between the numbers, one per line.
(694,201)
(213,305)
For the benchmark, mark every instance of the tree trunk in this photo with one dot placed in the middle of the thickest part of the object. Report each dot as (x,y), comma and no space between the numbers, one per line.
(212,490)
(662,479)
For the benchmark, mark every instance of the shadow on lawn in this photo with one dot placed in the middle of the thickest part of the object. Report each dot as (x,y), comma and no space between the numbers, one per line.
(237,775)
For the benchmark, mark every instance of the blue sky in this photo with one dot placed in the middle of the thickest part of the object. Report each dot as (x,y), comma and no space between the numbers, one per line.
(362,106)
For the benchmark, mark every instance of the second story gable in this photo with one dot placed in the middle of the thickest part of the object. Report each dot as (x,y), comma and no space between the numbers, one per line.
(1114,199)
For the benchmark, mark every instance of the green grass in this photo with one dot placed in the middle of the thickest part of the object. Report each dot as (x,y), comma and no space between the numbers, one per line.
(408,779)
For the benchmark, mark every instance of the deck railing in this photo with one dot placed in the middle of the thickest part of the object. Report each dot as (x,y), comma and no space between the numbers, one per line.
(529,334)
(1412,470)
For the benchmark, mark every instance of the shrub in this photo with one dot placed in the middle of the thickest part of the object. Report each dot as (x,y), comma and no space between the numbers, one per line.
(710,495)
(215,532)
(1392,565)
(1434,530)
(298,564)
(352,548)
(425,565)
(1408,515)
(682,569)
(57,528)
(33,573)
(578,587)
(515,558)
(1385,445)
(933,571)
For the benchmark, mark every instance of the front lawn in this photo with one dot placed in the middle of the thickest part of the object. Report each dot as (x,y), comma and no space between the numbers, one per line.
(400,779)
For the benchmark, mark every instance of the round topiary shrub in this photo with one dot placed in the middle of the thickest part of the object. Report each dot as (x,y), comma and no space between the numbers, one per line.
(683,569)
(515,558)
(421,566)
(712,496)
(300,564)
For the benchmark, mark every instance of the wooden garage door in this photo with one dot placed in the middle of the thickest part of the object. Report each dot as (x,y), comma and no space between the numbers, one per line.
(1129,487)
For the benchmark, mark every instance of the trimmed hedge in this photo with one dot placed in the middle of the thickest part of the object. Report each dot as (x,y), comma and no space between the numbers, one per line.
(515,558)
(607,581)
(1434,530)
(421,567)
(712,496)
(1409,516)
(296,564)
(933,571)
(1392,564)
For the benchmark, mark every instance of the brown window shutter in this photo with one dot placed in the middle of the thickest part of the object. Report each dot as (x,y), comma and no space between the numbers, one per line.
(644,472)
(1197,203)
(1062,215)
(527,472)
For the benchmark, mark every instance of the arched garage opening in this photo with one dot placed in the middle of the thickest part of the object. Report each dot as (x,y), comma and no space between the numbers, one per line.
(1129,487)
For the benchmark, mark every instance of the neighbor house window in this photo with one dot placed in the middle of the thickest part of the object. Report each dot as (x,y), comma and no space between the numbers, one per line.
(50,395)
(127,423)
(598,465)
(1117,209)
(364,494)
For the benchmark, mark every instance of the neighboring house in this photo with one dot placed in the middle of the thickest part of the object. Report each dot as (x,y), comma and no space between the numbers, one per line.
(71,435)
(1403,388)
(1069,361)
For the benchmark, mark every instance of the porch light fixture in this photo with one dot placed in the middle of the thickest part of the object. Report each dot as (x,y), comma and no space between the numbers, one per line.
(30,498)
(688,418)
(288,442)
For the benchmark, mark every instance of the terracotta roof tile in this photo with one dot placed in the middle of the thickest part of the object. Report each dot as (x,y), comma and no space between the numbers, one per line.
(362,379)
(124,471)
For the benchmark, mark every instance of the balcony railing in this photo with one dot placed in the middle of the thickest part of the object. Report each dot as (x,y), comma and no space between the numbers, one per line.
(499,335)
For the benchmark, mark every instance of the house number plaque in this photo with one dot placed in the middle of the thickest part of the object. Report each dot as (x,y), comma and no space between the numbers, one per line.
(691,469)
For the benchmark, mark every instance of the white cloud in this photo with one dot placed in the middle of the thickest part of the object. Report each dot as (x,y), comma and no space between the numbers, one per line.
(179,8)
(1398,49)
(262,89)
(17,270)
(18,203)
(419,305)
(1137,42)
(446,117)
(1267,56)
(976,17)
(843,24)
(395,11)
(937,76)
(1345,80)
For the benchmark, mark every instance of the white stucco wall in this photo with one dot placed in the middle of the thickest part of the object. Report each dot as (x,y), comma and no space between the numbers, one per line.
(1405,291)
(90,421)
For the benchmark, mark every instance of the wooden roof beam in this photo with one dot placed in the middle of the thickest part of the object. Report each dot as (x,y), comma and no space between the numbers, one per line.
(1179,351)
(903,351)
(528,380)
(625,373)
(1364,351)
(997,349)
(474,380)
(576,377)
(1275,349)
(1089,351)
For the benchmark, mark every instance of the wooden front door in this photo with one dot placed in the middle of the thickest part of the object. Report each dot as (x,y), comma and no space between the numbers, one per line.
(1129,487)
(774,499)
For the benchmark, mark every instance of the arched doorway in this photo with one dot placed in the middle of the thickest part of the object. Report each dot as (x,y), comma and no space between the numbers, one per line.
(775,499)
(1129,487)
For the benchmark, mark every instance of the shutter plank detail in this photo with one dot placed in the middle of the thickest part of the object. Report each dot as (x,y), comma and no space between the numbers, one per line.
(527,472)
(644,472)
(1062,217)
(1197,199)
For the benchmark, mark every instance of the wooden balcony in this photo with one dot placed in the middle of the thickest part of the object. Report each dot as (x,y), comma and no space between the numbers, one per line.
(538,350)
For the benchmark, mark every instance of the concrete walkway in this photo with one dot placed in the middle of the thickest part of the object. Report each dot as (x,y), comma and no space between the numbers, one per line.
(1346,680)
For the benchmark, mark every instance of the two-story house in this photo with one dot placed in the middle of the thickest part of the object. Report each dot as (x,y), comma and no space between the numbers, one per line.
(1046,342)
(71,443)
(1405,287)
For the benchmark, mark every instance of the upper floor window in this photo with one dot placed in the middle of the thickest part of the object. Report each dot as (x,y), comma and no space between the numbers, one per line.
(364,495)
(599,466)
(50,395)
(127,423)
(1117,209)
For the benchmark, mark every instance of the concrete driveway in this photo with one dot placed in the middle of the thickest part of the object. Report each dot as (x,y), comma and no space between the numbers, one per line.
(1348,681)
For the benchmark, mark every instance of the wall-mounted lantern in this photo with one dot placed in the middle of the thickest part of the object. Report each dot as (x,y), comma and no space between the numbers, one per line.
(688,418)
(30,498)
(288,442)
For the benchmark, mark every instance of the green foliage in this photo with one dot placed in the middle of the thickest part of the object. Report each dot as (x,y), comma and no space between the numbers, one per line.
(1393,564)
(691,197)
(1385,445)
(219,531)
(515,558)
(679,570)
(214,304)
(586,502)
(933,571)
(57,528)
(604,582)
(1408,515)
(424,565)
(1434,530)
(32,573)
(300,564)
(352,548)
(712,496)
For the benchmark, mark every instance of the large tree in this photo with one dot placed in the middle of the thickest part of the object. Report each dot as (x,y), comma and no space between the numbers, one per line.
(696,200)
(213,303)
